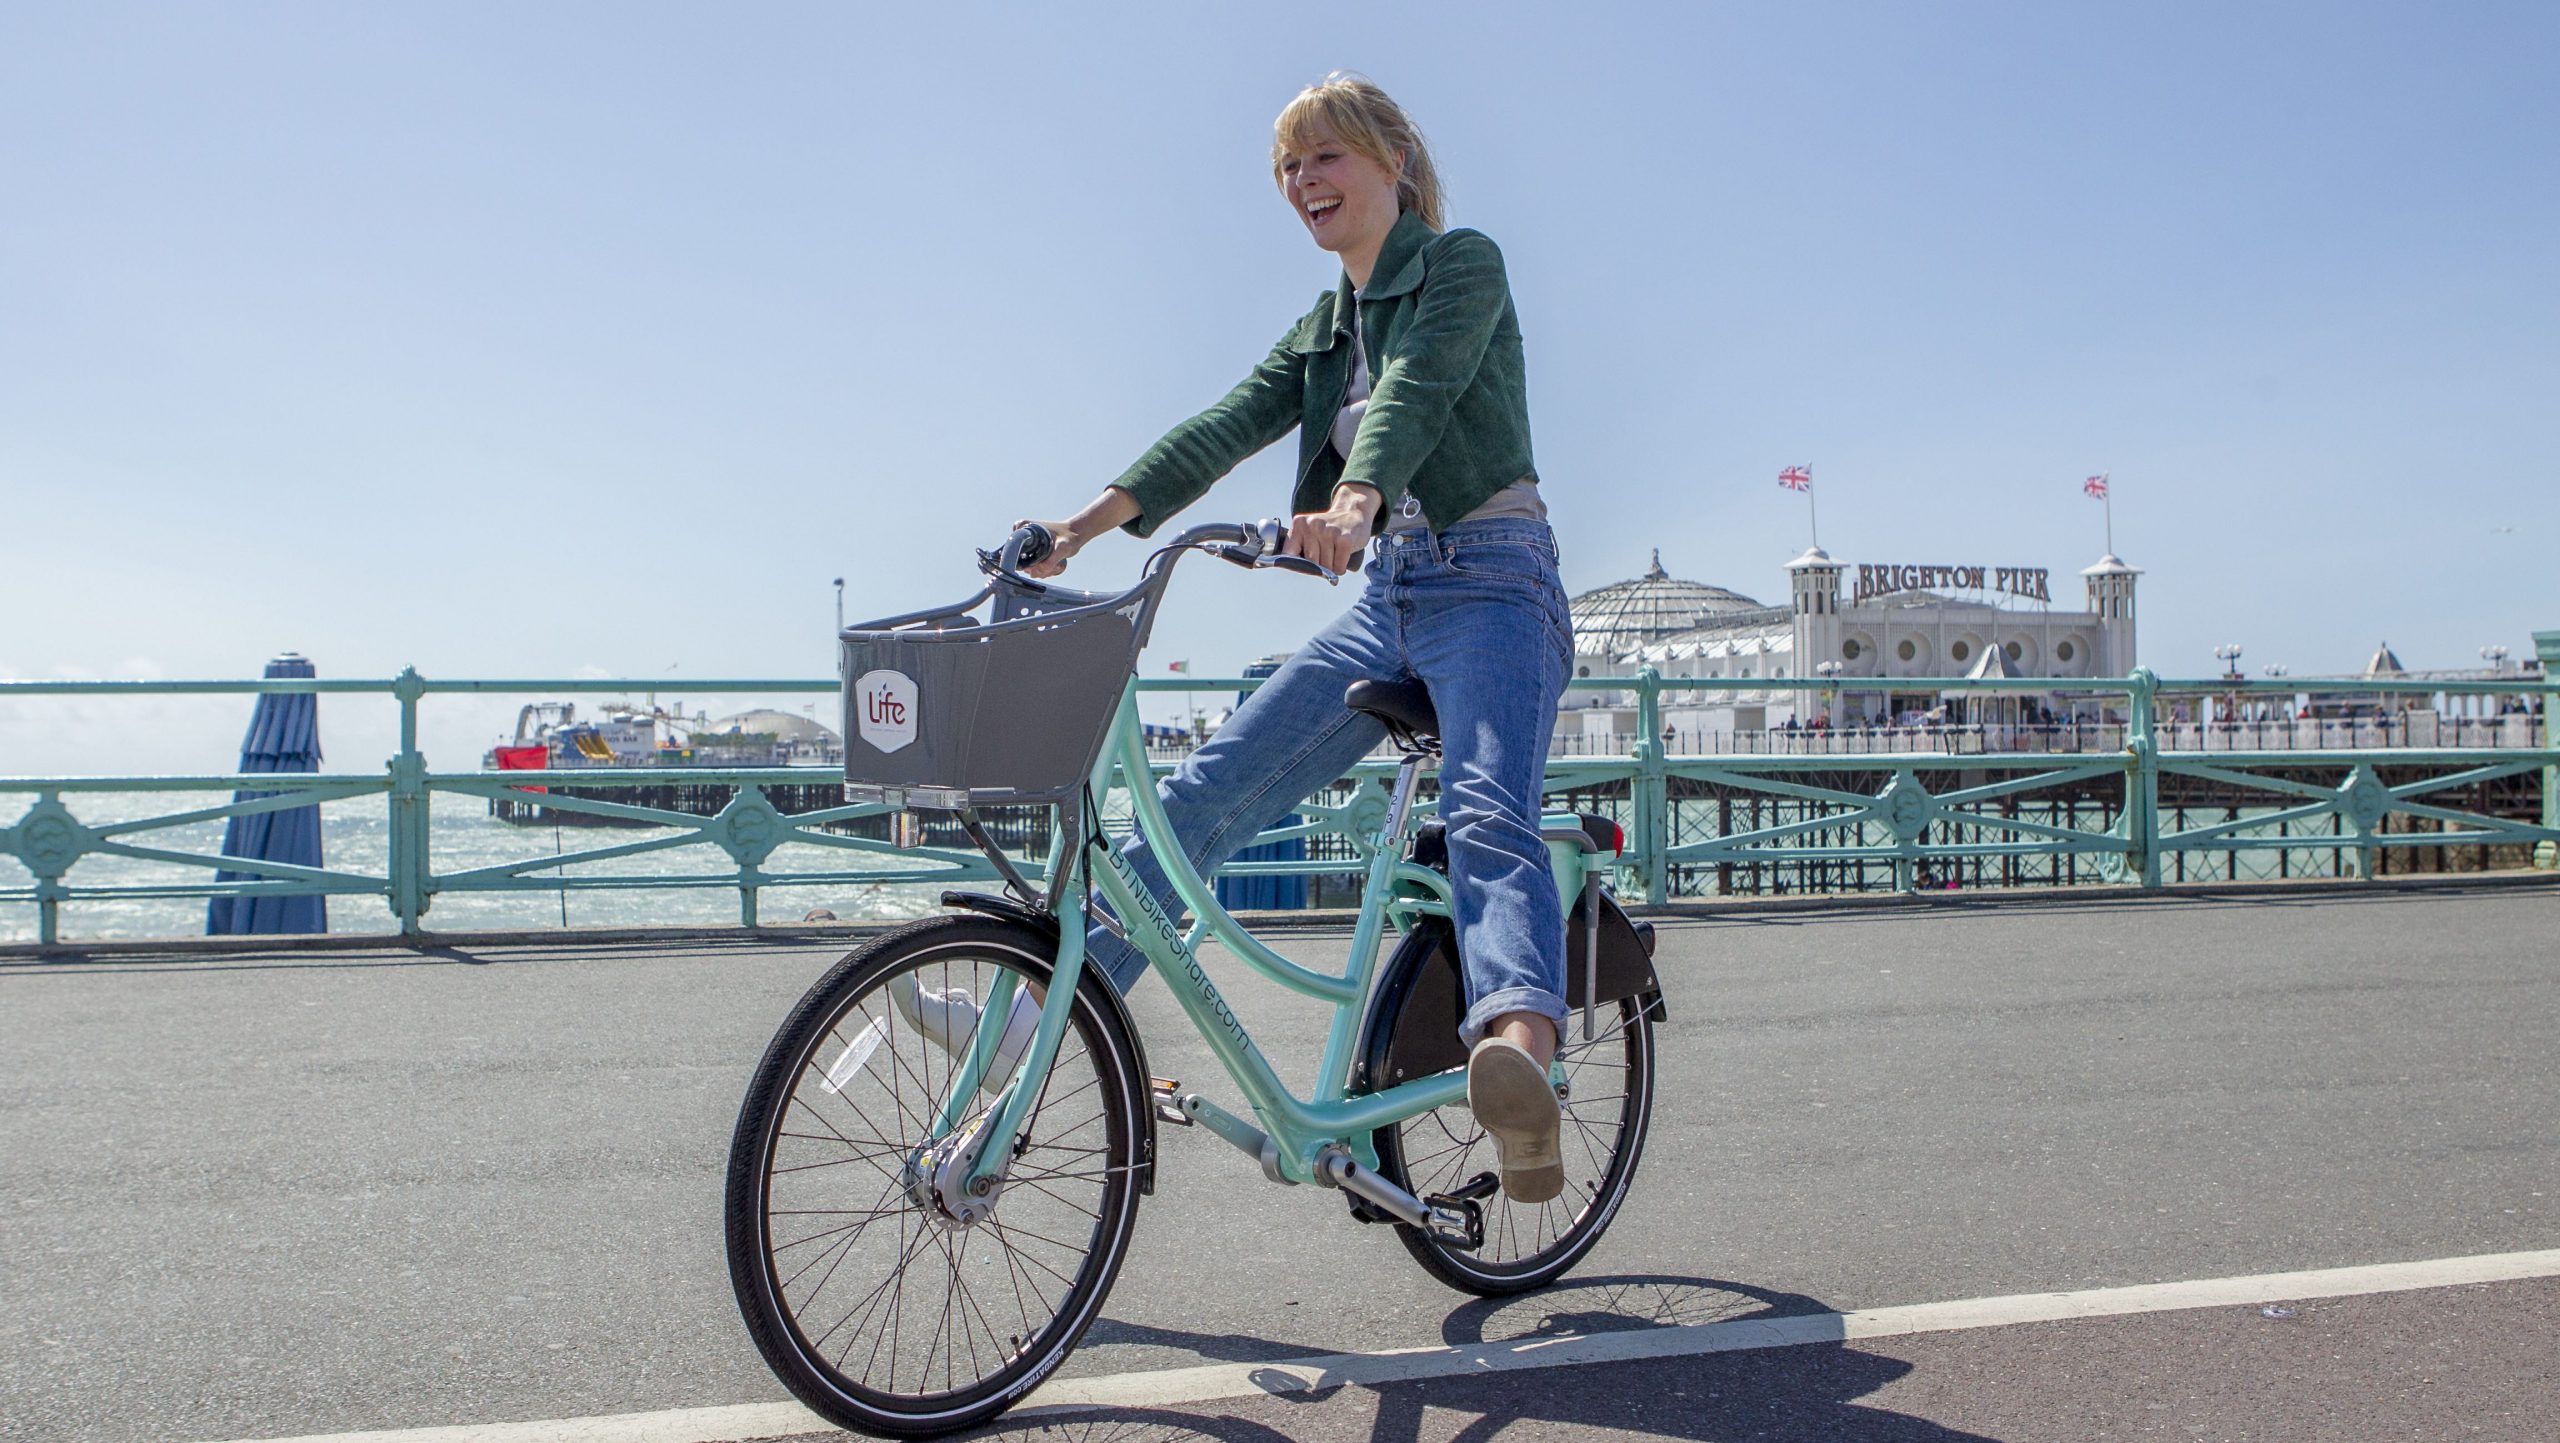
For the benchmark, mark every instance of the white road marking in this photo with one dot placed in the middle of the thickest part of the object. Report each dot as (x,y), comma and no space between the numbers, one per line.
(1174,1386)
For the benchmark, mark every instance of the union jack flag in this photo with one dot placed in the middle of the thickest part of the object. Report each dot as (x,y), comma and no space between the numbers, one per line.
(2095,488)
(1796,478)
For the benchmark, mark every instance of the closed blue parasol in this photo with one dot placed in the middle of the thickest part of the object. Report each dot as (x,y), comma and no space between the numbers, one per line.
(284,736)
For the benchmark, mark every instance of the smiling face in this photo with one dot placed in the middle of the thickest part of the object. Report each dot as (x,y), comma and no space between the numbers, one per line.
(1345,200)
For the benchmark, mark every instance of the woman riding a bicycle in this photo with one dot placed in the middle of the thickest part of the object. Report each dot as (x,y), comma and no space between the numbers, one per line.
(936,1168)
(1407,387)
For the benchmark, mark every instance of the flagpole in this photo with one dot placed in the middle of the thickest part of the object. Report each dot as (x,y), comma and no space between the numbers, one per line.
(2109,501)
(1814,515)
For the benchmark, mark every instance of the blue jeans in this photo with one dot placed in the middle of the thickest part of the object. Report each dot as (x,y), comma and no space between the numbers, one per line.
(1478,614)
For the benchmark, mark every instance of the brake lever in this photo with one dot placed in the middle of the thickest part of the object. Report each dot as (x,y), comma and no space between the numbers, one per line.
(1261,548)
(1305,567)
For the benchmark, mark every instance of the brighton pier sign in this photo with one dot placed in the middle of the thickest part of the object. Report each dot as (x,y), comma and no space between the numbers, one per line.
(2028,583)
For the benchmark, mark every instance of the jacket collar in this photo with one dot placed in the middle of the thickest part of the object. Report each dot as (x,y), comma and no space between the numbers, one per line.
(1399,270)
(1399,267)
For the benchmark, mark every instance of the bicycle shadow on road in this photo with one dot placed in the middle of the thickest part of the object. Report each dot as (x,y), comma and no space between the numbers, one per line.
(1803,1391)
(1806,1391)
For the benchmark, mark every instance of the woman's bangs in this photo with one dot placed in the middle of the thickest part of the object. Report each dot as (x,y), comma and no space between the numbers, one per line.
(1316,117)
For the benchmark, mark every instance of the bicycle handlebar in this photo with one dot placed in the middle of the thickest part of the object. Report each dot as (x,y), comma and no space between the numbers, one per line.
(1259,546)
(1254,546)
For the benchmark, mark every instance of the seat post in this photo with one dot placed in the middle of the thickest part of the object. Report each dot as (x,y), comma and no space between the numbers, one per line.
(1408,780)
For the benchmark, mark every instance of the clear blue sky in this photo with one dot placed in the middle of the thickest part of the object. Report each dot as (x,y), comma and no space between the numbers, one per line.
(510,340)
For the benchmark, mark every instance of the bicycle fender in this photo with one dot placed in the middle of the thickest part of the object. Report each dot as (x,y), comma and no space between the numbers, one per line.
(1412,1027)
(1046,923)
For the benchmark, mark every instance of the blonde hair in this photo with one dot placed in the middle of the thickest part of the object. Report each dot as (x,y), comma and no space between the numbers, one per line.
(1349,109)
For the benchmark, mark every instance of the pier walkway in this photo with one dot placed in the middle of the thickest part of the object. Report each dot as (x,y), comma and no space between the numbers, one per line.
(476,1190)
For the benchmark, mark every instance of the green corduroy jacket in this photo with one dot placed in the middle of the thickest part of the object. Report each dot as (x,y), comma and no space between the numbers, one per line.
(1448,417)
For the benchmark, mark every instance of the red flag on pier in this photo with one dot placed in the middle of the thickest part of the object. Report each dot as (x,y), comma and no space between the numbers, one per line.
(1796,478)
(2095,488)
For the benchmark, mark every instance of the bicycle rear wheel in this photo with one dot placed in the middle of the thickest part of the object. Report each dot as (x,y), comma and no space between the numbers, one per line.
(1608,1103)
(871,1299)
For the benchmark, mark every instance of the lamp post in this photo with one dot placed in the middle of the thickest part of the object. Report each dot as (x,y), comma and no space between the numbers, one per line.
(2229,654)
(2496,656)
(1828,671)
(839,605)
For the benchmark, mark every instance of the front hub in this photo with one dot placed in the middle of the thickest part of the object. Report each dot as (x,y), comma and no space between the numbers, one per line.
(936,1178)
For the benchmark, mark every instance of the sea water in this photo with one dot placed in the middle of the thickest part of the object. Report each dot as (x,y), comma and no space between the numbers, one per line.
(356,837)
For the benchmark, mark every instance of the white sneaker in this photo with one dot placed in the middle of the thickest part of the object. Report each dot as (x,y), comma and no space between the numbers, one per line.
(950,1020)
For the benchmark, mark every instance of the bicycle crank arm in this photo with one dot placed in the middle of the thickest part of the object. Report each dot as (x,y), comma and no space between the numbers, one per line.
(1453,1218)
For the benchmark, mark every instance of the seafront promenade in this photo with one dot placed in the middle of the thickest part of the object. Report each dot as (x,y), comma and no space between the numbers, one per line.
(2276,1163)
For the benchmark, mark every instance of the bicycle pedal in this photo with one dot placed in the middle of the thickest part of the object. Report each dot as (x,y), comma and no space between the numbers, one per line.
(1475,1189)
(1164,1092)
(1456,1222)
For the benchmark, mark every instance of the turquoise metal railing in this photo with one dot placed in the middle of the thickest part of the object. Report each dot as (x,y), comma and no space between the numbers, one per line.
(1815,805)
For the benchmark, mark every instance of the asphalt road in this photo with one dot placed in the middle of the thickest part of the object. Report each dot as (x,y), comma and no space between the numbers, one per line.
(289,1194)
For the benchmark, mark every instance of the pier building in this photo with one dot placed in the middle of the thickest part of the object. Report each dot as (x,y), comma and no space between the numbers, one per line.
(1913,620)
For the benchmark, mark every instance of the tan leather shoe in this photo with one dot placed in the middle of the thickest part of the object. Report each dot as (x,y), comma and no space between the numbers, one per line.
(1513,1101)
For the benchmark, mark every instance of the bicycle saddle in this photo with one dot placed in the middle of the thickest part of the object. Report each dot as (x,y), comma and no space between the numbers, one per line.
(1405,706)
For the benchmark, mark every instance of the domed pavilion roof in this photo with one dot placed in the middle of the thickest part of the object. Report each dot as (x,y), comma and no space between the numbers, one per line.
(1624,615)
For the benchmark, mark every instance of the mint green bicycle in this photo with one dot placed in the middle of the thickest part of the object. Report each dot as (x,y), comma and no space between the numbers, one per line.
(937,1166)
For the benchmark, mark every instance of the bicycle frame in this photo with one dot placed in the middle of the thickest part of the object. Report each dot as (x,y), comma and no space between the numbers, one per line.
(1299,1128)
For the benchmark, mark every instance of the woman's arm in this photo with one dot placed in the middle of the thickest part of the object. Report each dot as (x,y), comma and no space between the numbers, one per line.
(1262,408)
(1330,538)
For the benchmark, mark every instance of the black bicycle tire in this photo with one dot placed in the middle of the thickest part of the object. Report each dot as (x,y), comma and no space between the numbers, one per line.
(1461,1270)
(825,1391)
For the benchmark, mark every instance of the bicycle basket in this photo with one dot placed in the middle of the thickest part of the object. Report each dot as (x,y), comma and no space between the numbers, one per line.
(943,709)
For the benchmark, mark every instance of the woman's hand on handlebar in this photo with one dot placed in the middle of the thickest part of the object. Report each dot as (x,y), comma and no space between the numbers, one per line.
(1114,507)
(1332,538)
(1063,543)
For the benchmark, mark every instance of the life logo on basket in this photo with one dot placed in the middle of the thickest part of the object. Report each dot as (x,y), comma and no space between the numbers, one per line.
(885,708)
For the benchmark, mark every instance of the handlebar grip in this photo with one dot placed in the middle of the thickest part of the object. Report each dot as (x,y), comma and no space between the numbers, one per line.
(1031,545)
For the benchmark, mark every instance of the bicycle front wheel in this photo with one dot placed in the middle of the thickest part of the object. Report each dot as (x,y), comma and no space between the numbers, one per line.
(879,1298)
(1608,1101)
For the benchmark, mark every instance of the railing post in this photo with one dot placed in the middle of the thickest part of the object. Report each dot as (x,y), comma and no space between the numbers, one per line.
(2142,783)
(2546,645)
(408,864)
(2546,855)
(48,889)
(1649,790)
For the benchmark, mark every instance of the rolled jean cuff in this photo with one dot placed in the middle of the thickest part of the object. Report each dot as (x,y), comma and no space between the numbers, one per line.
(1510,999)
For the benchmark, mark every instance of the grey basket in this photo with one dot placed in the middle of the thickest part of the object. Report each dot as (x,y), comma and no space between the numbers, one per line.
(947,709)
